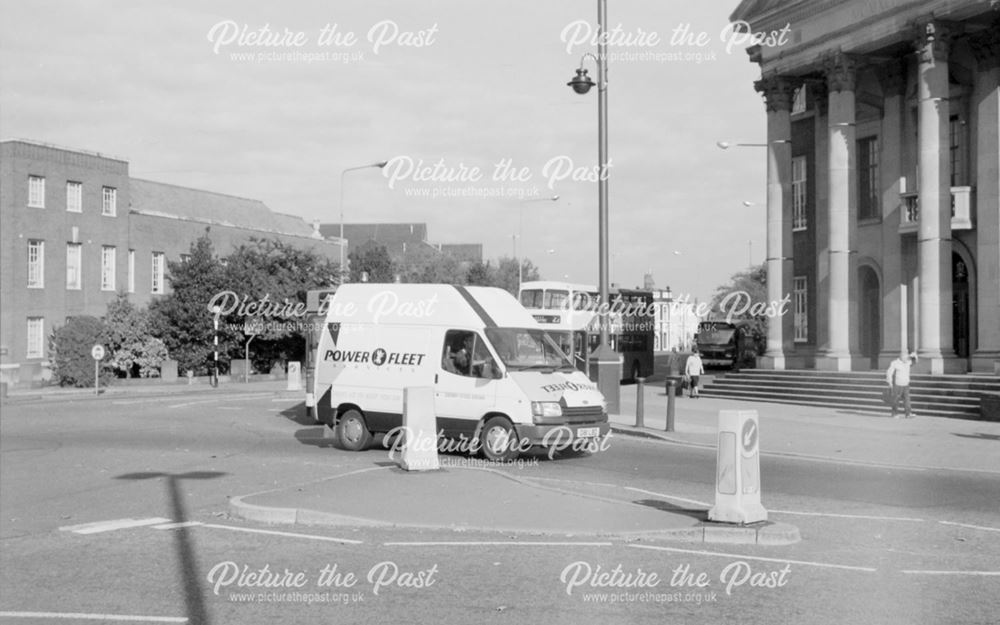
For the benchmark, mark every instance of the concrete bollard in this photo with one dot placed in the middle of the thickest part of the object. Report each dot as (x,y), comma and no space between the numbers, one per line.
(640,407)
(420,452)
(670,405)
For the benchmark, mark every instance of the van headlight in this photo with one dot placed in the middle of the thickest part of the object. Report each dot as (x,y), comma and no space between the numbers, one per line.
(546,409)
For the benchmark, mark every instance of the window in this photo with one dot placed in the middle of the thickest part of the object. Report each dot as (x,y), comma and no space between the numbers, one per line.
(36,264)
(868,183)
(799,100)
(799,219)
(36,191)
(74,265)
(531,298)
(957,153)
(108,257)
(800,299)
(109,206)
(465,353)
(74,197)
(36,337)
(185,258)
(131,271)
(157,286)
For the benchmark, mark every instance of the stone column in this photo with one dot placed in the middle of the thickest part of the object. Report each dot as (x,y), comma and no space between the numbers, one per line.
(934,337)
(840,74)
(892,77)
(778,92)
(986,47)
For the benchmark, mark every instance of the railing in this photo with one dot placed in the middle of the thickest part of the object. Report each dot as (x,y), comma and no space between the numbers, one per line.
(961,210)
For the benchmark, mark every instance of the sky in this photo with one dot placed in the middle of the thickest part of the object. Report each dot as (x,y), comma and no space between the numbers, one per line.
(466,100)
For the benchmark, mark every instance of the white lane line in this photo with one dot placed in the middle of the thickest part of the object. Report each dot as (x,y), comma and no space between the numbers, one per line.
(96,617)
(852,516)
(217,399)
(665,496)
(818,514)
(108,526)
(762,559)
(973,527)
(981,573)
(177,526)
(497,543)
(285,534)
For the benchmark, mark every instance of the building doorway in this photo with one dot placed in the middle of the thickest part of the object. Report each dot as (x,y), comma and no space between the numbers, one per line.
(960,305)
(869,315)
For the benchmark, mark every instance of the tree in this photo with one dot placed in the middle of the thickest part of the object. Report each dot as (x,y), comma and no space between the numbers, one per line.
(507,276)
(278,274)
(133,351)
(183,319)
(374,261)
(426,264)
(745,299)
(70,345)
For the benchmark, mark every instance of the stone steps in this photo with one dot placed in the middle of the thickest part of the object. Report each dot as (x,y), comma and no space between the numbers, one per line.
(945,396)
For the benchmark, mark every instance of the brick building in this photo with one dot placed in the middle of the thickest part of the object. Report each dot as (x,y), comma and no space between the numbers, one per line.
(75,229)
(883,181)
(399,238)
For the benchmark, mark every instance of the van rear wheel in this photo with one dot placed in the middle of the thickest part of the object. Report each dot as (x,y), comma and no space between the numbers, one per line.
(353,432)
(498,440)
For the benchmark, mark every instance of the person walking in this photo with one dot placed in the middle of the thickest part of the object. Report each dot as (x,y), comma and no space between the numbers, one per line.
(693,369)
(897,376)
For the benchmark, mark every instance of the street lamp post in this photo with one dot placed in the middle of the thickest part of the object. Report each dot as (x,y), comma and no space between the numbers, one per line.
(519,237)
(379,165)
(608,369)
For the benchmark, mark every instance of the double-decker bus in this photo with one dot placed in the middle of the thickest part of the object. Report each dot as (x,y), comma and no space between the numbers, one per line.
(569,312)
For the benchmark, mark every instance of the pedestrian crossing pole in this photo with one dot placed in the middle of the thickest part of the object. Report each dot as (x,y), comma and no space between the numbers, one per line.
(215,368)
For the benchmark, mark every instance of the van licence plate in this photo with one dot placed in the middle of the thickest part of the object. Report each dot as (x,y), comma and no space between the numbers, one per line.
(588,432)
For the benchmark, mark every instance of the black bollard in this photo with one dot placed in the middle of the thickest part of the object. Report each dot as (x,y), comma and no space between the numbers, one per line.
(639,403)
(670,405)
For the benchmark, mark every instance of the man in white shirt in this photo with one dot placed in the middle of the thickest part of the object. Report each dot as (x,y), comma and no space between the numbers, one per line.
(897,376)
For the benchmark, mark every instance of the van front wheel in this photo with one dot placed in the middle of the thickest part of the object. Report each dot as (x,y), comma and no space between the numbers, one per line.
(353,431)
(498,440)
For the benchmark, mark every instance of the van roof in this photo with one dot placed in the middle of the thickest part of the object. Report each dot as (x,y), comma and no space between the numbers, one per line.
(427,304)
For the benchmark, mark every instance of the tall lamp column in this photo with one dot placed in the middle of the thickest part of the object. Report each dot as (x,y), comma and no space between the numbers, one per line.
(607,360)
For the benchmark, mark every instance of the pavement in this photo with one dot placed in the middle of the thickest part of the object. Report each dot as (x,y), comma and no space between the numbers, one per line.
(468,494)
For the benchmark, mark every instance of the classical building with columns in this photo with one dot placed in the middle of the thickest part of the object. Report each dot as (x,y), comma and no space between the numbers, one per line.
(883,181)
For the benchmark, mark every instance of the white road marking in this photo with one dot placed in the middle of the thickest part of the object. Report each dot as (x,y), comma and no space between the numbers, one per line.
(108,526)
(983,573)
(498,543)
(973,527)
(818,514)
(96,617)
(852,516)
(649,492)
(762,559)
(221,398)
(286,534)
(177,526)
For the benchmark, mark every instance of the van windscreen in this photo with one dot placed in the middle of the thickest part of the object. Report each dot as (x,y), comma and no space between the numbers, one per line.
(523,349)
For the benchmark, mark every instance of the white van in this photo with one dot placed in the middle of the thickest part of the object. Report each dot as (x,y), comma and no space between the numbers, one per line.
(500,383)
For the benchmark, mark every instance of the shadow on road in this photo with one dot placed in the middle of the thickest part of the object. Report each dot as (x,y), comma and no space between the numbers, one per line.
(314,436)
(663,506)
(297,413)
(980,435)
(190,576)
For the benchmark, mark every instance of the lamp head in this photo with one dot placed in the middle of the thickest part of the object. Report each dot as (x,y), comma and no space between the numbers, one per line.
(581,83)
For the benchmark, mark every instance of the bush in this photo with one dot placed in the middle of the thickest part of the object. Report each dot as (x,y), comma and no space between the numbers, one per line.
(70,347)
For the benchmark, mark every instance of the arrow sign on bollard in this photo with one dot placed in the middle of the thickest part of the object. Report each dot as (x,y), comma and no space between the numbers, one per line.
(737,481)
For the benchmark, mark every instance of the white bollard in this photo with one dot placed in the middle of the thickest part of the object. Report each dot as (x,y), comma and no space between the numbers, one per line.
(737,482)
(294,376)
(420,429)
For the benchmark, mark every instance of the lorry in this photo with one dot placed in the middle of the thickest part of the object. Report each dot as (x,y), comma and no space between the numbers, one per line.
(501,384)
